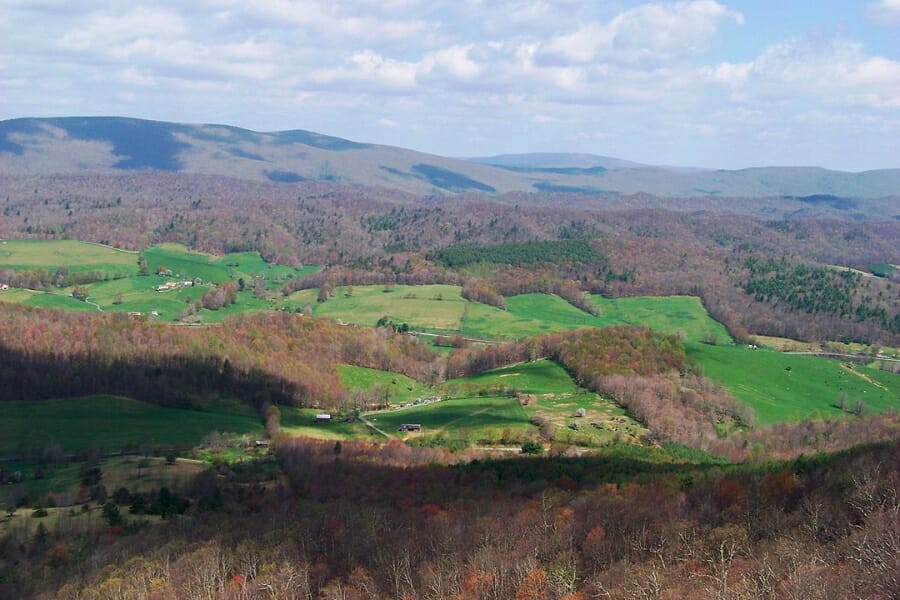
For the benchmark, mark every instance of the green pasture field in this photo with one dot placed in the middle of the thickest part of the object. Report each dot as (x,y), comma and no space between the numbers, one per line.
(682,315)
(76,256)
(138,293)
(297,421)
(783,387)
(400,387)
(526,315)
(110,422)
(554,394)
(535,314)
(538,377)
(251,265)
(58,301)
(478,409)
(186,264)
(15,296)
(245,303)
(472,419)
(428,307)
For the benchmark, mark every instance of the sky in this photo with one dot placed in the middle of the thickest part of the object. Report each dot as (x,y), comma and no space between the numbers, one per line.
(725,84)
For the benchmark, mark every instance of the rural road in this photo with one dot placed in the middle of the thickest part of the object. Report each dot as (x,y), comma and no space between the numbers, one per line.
(371,425)
(865,357)
(418,333)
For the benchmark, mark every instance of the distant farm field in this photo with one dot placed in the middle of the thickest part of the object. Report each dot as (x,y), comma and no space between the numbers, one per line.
(545,388)
(428,307)
(124,290)
(526,315)
(110,422)
(682,315)
(302,422)
(75,256)
(441,308)
(473,419)
(399,387)
(496,407)
(784,387)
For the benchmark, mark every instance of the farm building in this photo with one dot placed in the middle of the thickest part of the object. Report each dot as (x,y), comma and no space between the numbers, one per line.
(323,418)
(410,427)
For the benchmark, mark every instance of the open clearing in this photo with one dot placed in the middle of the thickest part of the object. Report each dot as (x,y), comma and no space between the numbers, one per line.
(427,307)
(482,419)
(681,315)
(398,387)
(302,422)
(75,256)
(110,423)
(548,390)
(442,309)
(782,387)
(124,290)
(484,409)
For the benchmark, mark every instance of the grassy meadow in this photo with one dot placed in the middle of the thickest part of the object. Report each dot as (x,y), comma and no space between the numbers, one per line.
(478,419)
(482,409)
(442,309)
(75,256)
(297,421)
(111,423)
(125,290)
(682,315)
(399,387)
(784,387)
(424,307)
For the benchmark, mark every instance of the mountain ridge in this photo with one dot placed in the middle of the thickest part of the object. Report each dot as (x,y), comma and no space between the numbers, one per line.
(71,145)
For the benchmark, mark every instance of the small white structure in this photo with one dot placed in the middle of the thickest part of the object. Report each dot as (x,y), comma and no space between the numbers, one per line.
(323,418)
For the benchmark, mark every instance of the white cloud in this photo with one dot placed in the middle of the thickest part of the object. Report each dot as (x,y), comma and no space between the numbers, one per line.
(885,12)
(105,29)
(649,32)
(455,62)
(817,71)
(367,70)
(494,69)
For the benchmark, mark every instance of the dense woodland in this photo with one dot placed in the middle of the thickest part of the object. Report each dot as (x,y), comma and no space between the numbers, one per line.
(362,522)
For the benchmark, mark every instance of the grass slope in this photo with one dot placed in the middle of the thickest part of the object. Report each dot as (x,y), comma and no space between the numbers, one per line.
(135,293)
(473,419)
(426,307)
(526,315)
(534,314)
(667,314)
(782,387)
(110,422)
(556,397)
(400,388)
(76,256)
(302,422)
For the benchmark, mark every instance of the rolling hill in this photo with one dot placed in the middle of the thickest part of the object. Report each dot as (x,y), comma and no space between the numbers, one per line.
(110,145)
